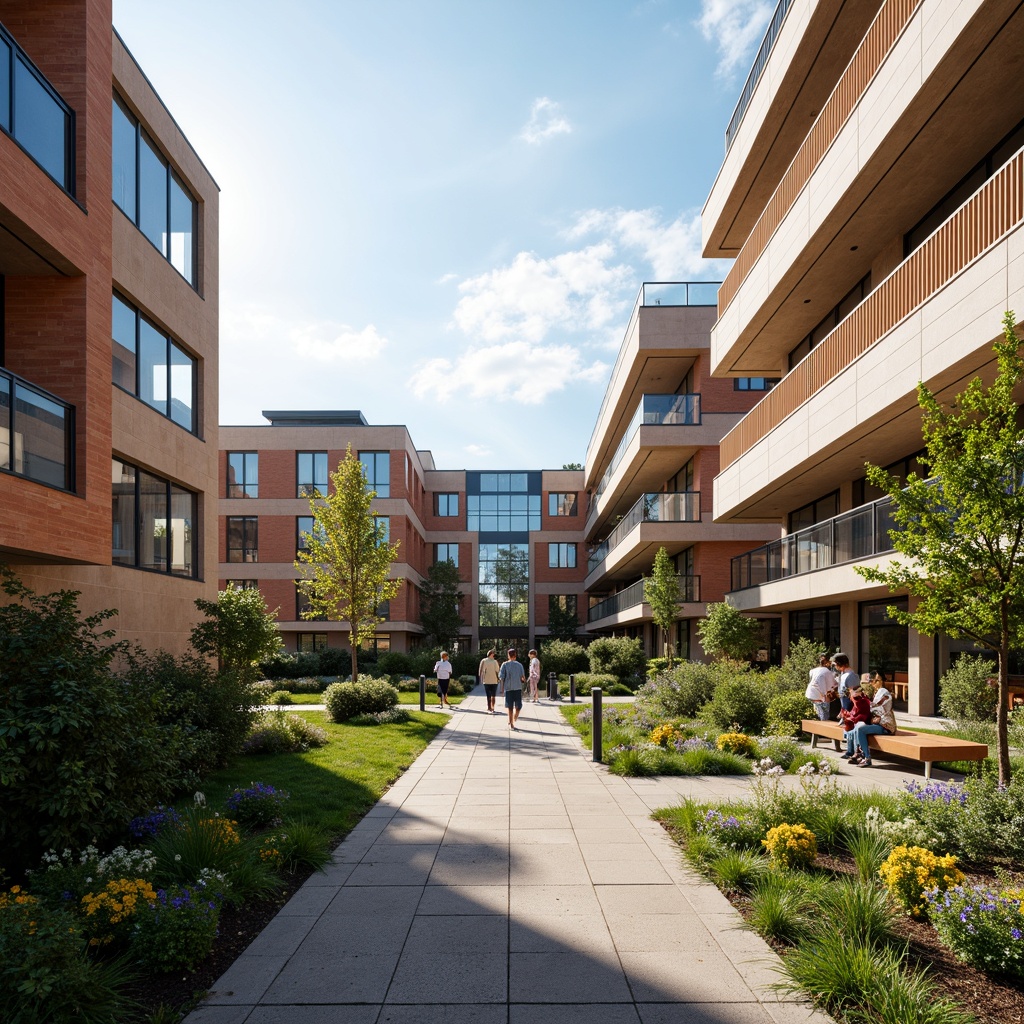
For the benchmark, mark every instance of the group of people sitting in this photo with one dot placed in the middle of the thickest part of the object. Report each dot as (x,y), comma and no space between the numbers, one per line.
(861,715)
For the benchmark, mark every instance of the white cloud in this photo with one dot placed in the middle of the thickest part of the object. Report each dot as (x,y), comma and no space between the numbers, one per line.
(447,278)
(513,371)
(325,341)
(735,27)
(546,121)
(478,450)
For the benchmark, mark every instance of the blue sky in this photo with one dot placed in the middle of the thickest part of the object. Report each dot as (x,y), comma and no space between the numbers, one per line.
(441,212)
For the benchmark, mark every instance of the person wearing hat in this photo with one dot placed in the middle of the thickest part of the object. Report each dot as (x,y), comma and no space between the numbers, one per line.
(510,683)
(859,711)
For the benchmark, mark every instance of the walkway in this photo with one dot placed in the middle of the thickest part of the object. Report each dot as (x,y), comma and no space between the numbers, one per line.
(506,879)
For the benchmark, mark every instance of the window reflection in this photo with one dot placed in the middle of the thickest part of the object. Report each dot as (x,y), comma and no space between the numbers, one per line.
(124,345)
(123,184)
(152,367)
(5,423)
(181,387)
(152,195)
(5,86)
(123,491)
(182,226)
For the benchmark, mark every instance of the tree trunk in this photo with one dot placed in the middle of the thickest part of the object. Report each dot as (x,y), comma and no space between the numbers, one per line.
(1002,738)
(353,647)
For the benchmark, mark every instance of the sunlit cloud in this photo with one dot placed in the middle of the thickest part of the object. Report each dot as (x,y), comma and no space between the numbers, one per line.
(735,27)
(546,121)
(478,450)
(320,340)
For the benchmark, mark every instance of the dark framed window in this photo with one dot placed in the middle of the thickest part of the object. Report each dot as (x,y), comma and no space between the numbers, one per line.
(883,644)
(446,552)
(43,430)
(384,534)
(503,502)
(378,472)
(148,364)
(817,511)
(562,503)
(831,320)
(754,383)
(504,585)
(35,115)
(562,556)
(310,643)
(305,526)
(820,625)
(153,522)
(310,473)
(243,584)
(302,606)
(562,603)
(446,504)
(243,539)
(243,475)
(151,195)
(378,642)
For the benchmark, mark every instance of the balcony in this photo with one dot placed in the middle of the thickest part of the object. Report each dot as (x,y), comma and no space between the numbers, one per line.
(846,538)
(42,429)
(633,596)
(674,507)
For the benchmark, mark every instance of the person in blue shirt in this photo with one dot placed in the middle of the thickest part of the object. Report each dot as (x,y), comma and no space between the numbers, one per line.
(510,683)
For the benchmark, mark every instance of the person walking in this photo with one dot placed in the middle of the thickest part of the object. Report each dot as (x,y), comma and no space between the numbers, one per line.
(882,720)
(846,679)
(819,689)
(488,673)
(534,680)
(443,669)
(510,683)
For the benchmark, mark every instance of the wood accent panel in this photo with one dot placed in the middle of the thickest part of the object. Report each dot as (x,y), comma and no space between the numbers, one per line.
(993,211)
(878,41)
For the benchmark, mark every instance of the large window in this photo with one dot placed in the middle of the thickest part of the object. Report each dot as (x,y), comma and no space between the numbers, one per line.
(378,472)
(503,502)
(243,475)
(820,625)
(36,432)
(302,606)
(504,585)
(152,522)
(561,603)
(243,539)
(151,195)
(306,527)
(310,643)
(825,507)
(34,115)
(447,504)
(311,473)
(562,556)
(562,504)
(446,553)
(149,365)
(754,383)
(883,641)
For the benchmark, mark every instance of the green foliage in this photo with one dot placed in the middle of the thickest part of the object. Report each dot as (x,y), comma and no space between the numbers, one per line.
(563,657)
(367,697)
(586,681)
(661,592)
(619,656)
(238,629)
(396,663)
(177,929)
(280,732)
(728,633)
(737,870)
(682,692)
(982,927)
(779,910)
(783,751)
(869,848)
(563,623)
(738,700)
(346,563)
(334,661)
(856,907)
(279,697)
(785,711)
(964,690)
(303,844)
(439,604)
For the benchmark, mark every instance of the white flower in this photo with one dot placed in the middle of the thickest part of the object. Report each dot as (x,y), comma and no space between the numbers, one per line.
(200,799)
(177,856)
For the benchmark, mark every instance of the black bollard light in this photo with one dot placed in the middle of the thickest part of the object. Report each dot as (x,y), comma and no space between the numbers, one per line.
(595,733)
(423,693)
(572,687)
(552,686)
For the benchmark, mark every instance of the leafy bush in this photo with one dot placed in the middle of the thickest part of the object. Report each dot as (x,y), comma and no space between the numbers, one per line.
(983,928)
(335,661)
(586,681)
(620,656)
(785,711)
(964,692)
(783,751)
(911,871)
(369,696)
(176,930)
(619,690)
(737,743)
(467,683)
(682,692)
(279,732)
(663,735)
(308,685)
(395,663)
(564,657)
(279,697)
(109,915)
(259,804)
(737,701)
(791,846)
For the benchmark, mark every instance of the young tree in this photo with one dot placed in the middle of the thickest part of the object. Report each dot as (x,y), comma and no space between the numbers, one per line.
(572,465)
(961,533)
(563,623)
(238,629)
(661,592)
(439,603)
(347,559)
(728,633)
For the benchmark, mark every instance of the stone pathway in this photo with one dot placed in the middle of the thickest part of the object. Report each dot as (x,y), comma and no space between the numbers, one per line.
(506,879)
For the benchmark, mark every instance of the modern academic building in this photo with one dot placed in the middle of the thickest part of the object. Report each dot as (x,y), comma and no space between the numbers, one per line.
(650,470)
(516,536)
(872,197)
(108,328)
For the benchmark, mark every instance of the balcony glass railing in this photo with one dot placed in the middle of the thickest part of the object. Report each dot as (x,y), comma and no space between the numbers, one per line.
(34,115)
(760,61)
(36,433)
(633,595)
(653,410)
(853,535)
(673,507)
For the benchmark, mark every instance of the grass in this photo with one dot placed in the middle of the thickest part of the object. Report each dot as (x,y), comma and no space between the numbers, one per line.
(403,698)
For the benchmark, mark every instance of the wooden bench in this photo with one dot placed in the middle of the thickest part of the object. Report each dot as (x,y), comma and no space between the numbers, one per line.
(916,746)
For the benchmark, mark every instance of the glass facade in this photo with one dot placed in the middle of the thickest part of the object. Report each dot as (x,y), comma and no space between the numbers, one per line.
(562,504)
(36,434)
(561,556)
(503,502)
(818,624)
(311,473)
(883,641)
(243,475)
(504,585)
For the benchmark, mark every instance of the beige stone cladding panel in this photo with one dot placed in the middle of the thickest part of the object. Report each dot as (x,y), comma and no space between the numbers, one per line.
(834,170)
(789,242)
(941,25)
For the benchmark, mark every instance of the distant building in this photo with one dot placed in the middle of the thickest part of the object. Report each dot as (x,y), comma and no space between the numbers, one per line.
(108,328)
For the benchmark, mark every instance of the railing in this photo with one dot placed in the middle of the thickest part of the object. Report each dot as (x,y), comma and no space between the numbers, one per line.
(846,538)
(760,61)
(673,507)
(996,208)
(633,595)
(36,433)
(875,47)
(33,113)
(656,293)
(653,410)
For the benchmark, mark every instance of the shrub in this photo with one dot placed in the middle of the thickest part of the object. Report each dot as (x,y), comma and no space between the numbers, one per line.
(369,696)
(737,743)
(394,663)
(176,930)
(729,831)
(983,928)
(790,846)
(564,657)
(663,735)
(586,681)
(467,683)
(279,697)
(620,656)
(781,750)
(911,871)
(619,690)
(682,692)
(737,701)
(335,661)
(280,732)
(280,666)
(785,711)
(964,691)
(259,804)
(109,914)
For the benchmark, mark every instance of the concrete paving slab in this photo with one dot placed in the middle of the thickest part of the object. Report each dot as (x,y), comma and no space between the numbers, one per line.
(592,1013)
(425,977)
(567,977)
(334,979)
(684,977)
(441,1013)
(464,899)
(560,935)
(313,1015)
